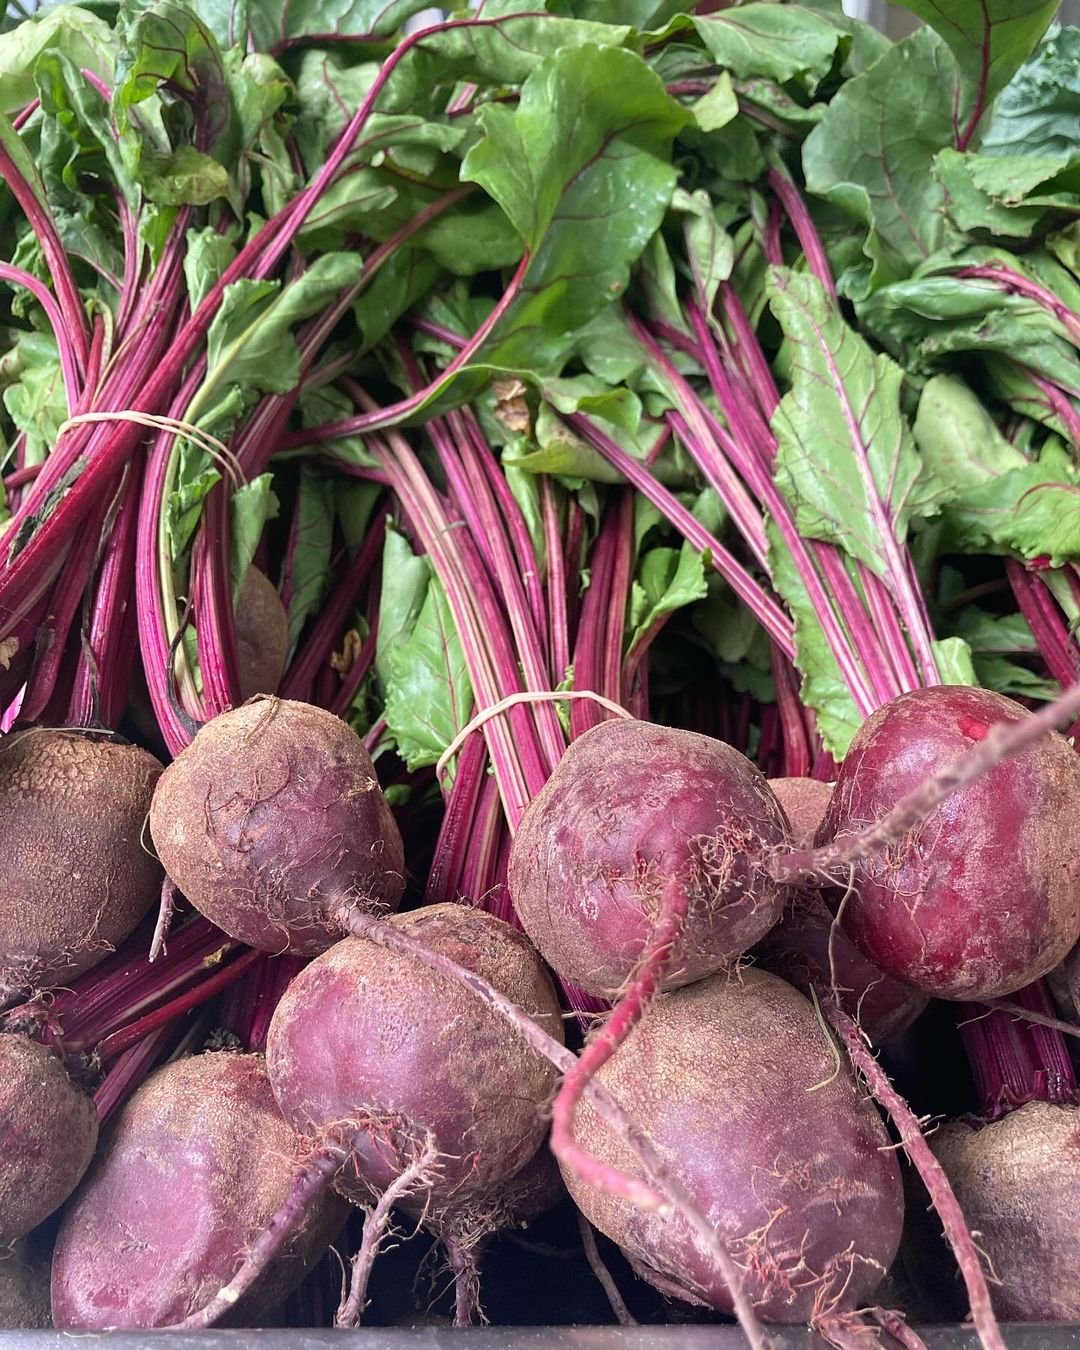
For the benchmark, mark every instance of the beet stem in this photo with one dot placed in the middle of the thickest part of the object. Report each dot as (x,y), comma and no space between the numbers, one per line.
(417,1176)
(930,1171)
(604,1276)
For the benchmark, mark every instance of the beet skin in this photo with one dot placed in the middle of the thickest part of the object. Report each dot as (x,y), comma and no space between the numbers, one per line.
(372,1041)
(632,814)
(741,1092)
(189,1173)
(983,897)
(271,820)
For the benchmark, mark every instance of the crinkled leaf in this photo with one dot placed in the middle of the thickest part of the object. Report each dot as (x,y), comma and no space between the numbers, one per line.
(37,400)
(187,177)
(846,458)
(872,152)
(991,39)
(718,107)
(84,38)
(1037,112)
(710,250)
(250,507)
(196,474)
(776,42)
(405,579)
(953,659)
(994,634)
(209,253)
(309,559)
(667,579)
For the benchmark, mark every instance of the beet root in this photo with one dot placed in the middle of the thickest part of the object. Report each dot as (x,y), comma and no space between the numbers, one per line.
(48,1132)
(262,635)
(1018,1182)
(982,897)
(77,877)
(193,1167)
(371,1043)
(739,1088)
(633,814)
(272,820)
(24,1288)
(805,801)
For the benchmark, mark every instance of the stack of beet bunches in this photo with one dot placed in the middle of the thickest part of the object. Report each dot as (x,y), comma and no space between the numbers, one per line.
(539,583)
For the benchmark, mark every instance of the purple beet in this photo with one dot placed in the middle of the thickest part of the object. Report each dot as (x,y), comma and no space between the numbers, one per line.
(271,820)
(982,897)
(634,816)
(190,1171)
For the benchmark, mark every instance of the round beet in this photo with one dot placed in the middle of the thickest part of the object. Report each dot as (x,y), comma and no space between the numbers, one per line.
(1018,1183)
(262,635)
(810,950)
(24,1288)
(271,820)
(78,876)
(374,1041)
(741,1092)
(191,1170)
(48,1132)
(804,801)
(634,815)
(983,897)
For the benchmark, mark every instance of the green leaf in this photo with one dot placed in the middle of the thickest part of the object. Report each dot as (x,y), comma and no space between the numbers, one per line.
(209,253)
(1014,680)
(405,579)
(954,662)
(582,170)
(1036,113)
(846,459)
(994,634)
(776,42)
(309,572)
(710,250)
(718,107)
(187,177)
(355,504)
(196,474)
(991,39)
(872,151)
(429,695)
(250,507)
(667,579)
(84,38)
(37,400)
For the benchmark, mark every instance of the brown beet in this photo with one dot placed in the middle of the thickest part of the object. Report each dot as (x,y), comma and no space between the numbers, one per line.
(1018,1183)
(271,820)
(78,875)
(262,635)
(48,1131)
(743,1095)
(634,815)
(982,897)
(189,1172)
(24,1288)
(366,1035)
(804,800)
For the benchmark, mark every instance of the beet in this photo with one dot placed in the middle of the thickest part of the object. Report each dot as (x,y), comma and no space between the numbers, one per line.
(48,1132)
(983,896)
(741,1091)
(78,876)
(271,820)
(24,1288)
(804,801)
(192,1168)
(262,635)
(374,1040)
(1018,1181)
(634,814)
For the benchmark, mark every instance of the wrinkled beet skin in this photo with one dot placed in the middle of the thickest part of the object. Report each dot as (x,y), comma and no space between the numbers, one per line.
(24,1288)
(804,801)
(984,896)
(1018,1183)
(800,1182)
(271,819)
(78,876)
(188,1175)
(363,1033)
(48,1130)
(262,635)
(809,952)
(632,809)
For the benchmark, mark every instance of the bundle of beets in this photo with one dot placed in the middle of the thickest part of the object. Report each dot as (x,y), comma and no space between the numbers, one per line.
(539,579)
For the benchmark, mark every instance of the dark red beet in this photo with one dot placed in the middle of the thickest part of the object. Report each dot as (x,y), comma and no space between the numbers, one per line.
(367,1039)
(983,897)
(262,635)
(78,876)
(742,1092)
(804,801)
(635,813)
(1018,1182)
(271,820)
(811,951)
(24,1288)
(189,1172)
(48,1131)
